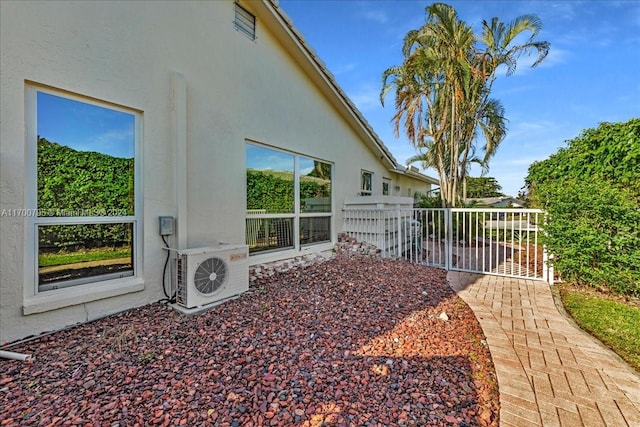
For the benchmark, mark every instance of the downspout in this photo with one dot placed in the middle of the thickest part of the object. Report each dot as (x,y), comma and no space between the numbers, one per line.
(15,356)
(179,141)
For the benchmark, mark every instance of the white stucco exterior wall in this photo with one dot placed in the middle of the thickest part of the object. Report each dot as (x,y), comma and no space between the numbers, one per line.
(202,89)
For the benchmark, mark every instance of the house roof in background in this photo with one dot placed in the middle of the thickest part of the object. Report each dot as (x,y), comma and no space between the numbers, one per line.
(414,172)
(489,201)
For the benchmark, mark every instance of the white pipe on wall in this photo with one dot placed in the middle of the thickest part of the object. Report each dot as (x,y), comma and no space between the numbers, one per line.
(15,356)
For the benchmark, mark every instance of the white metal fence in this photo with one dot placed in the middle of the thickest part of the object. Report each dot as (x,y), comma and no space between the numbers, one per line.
(492,241)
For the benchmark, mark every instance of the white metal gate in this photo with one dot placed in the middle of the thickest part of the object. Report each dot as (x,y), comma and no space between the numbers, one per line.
(504,242)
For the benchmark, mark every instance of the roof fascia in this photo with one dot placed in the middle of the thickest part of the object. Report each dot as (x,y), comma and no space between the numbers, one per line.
(408,171)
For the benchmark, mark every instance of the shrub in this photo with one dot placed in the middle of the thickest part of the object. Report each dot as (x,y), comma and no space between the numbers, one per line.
(591,190)
(593,232)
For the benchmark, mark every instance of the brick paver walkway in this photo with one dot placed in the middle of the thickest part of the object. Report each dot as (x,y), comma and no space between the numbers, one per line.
(550,373)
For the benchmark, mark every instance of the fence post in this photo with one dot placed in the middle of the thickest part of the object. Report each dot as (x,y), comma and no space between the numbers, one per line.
(398,235)
(545,264)
(547,268)
(381,230)
(448,236)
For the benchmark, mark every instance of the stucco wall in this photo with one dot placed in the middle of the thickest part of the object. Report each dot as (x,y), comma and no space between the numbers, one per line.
(126,53)
(113,54)
(407,183)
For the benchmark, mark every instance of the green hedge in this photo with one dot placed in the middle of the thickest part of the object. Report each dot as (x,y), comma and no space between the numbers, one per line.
(274,191)
(81,183)
(71,180)
(591,191)
(594,233)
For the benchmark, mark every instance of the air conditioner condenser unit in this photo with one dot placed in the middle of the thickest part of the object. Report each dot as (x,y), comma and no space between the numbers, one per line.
(211,274)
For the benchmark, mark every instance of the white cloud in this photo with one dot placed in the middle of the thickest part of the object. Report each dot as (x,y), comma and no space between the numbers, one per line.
(366,97)
(555,57)
(369,13)
(343,69)
(530,129)
(377,16)
(566,10)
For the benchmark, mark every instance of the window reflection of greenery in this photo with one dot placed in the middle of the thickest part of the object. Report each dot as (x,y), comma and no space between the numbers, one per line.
(83,183)
(271,183)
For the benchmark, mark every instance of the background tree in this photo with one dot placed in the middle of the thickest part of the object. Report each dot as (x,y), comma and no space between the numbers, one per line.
(442,90)
(591,191)
(483,186)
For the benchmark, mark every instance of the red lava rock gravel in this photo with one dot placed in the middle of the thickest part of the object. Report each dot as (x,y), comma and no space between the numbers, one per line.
(354,341)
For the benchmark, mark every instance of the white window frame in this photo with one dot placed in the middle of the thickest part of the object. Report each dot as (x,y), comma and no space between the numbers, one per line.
(297,214)
(104,286)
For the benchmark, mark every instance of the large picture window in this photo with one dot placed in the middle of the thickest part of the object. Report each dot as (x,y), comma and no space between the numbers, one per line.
(288,200)
(85,219)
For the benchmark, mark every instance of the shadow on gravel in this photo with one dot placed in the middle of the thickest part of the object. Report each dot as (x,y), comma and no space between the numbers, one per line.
(351,341)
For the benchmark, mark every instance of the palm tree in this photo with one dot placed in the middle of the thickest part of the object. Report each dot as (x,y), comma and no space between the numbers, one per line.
(320,170)
(442,90)
(428,89)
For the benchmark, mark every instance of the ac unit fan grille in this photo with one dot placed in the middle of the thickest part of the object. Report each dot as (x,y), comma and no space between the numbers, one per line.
(210,276)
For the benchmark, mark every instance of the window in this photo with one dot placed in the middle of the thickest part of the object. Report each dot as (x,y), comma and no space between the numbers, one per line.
(245,22)
(315,201)
(288,200)
(366,183)
(84,197)
(386,184)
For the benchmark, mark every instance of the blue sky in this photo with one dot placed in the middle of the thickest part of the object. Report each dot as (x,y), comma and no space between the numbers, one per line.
(85,127)
(591,75)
